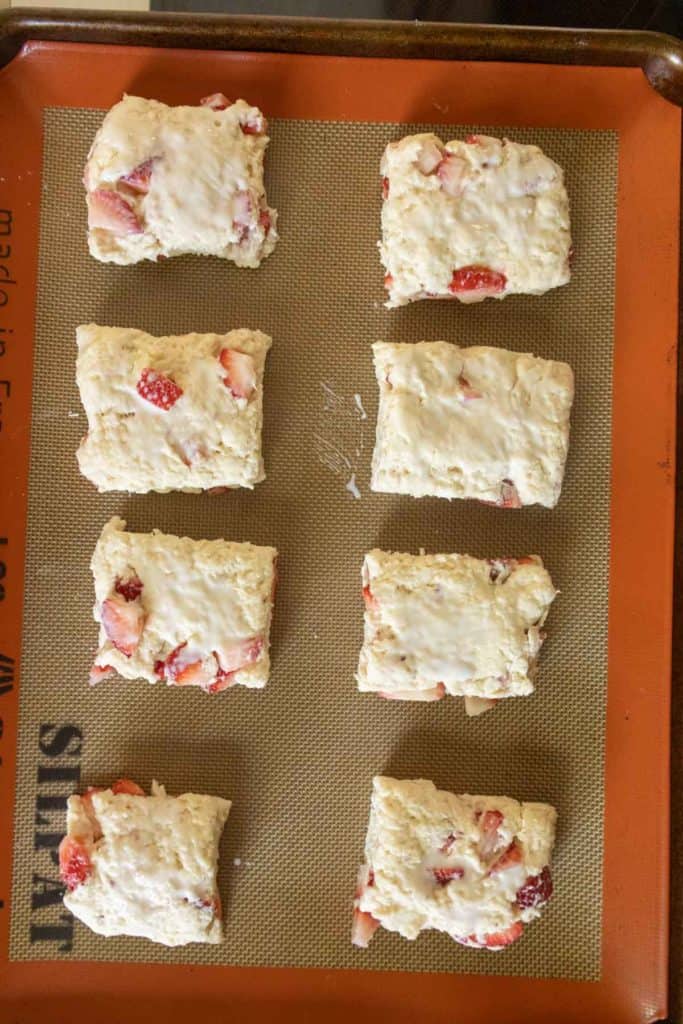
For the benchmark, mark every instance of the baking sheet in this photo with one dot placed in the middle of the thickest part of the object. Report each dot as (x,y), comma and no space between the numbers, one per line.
(297,759)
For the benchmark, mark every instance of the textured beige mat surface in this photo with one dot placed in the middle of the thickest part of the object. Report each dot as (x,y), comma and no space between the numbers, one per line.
(297,758)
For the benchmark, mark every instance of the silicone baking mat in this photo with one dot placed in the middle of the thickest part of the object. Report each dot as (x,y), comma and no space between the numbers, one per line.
(297,759)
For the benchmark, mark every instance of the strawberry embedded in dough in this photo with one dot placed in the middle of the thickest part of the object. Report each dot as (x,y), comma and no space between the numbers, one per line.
(255,124)
(478,705)
(508,859)
(496,940)
(111,212)
(240,655)
(452,173)
(364,925)
(385,187)
(127,786)
(216,101)
(140,177)
(129,588)
(536,891)
(100,672)
(388,281)
(509,496)
(185,666)
(470,284)
(466,390)
(158,389)
(243,217)
(240,370)
(75,866)
(489,824)
(429,157)
(444,875)
(123,622)
(265,220)
(371,602)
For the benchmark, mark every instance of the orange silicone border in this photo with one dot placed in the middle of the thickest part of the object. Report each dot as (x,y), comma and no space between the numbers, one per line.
(635,911)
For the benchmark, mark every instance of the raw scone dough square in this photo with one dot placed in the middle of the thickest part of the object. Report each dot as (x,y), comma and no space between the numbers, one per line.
(171,414)
(452,624)
(471,220)
(190,612)
(144,865)
(475,867)
(162,181)
(479,423)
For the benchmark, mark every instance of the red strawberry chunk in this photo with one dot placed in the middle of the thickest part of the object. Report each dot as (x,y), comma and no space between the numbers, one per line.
(536,891)
(445,875)
(451,173)
(129,589)
(255,125)
(371,602)
(74,862)
(429,157)
(243,217)
(240,376)
(448,842)
(489,823)
(216,101)
(127,786)
(123,622)
(388,281)
(494,940)
(509,498)
(385,188)
(472,140)
(246,652)
(139,178)
(223,681)
(467,391)
(477,281)
(100,672)
(508,859)
(186,667)
(363,928)
(110,211)
(264,220)
(158,389)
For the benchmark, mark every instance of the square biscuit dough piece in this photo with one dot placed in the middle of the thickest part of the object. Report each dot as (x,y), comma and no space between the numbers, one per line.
(471,220)
(164,181)
(171,414)
(452,624)
(475,867)
(478,422)
(187,612)
(145,865)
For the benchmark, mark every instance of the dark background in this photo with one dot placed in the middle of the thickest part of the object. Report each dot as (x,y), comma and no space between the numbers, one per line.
(657,15)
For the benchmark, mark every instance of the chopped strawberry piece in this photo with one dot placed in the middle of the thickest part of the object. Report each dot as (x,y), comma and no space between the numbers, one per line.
(385,188)
(217,101)
(477,282)
(429,157)
(139,178)
(241,372)
(214,902)
(243,213)
(489,823)
(388,281)
(74,862)
(451,173)
(478,705)
(536,891)
(371,602)
(90,810)
(363,928)
(448,842)
(509,498)
(127,786)
(467,391)
(123,622)
(445,875)
(110,211)
(495,940)
(436,693)
(242,654)
(472,140)
(256,125)
(100,672)
(507,859)
(264,220)
(158,389)
(129,589)
(223,681)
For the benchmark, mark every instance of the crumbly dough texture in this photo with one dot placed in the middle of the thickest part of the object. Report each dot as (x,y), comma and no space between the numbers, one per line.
(497,205)
(153,867)
(212,599)
(205,193)
(478,422)
(208,438)
(416,829)
(470,626)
